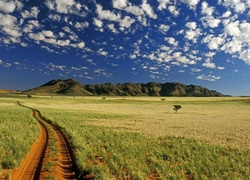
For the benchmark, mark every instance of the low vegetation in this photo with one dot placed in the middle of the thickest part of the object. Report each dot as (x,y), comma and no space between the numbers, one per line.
(108,146)
(143,138)
(18,131)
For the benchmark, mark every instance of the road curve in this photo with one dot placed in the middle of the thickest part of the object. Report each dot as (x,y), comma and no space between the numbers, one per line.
(32,166)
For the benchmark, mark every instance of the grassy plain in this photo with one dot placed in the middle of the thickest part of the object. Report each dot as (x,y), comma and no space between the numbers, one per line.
(143,138)
(18,131)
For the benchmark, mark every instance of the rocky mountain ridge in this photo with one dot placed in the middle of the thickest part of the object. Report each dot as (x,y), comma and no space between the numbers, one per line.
(72,87)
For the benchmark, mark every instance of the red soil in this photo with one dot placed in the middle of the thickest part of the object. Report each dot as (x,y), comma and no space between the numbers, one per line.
(32,166)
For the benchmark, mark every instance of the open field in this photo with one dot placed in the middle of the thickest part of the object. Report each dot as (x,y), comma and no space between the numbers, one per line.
(18,131)
(221,121)
(143,138)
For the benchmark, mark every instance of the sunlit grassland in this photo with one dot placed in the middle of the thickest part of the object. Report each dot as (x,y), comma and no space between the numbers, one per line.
(220,121)
(142,138)
(18,131)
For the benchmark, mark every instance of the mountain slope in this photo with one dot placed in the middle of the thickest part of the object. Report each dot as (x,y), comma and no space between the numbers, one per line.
(72,87)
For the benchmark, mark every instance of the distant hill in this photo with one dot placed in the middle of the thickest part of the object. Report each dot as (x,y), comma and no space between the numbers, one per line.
(72,87)
(8,91)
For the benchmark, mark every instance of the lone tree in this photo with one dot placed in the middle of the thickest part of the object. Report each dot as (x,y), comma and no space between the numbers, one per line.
(176,108)
(29,96)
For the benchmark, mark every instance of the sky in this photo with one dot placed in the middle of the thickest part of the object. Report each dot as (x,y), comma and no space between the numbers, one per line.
(205,43)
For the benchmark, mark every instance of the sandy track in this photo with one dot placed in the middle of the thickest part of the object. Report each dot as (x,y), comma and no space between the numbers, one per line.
(32,166)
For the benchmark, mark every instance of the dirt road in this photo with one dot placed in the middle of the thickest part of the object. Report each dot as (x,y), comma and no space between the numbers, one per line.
(50,156)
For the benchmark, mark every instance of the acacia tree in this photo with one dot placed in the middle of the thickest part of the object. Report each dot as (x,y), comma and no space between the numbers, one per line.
(29,96)
(176,108)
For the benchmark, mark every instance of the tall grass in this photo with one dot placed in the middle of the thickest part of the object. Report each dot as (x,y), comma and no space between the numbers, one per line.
(109,153)
(18,131)
(144,139)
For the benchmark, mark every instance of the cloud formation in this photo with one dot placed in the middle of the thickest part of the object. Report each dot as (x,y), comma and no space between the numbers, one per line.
(156,36)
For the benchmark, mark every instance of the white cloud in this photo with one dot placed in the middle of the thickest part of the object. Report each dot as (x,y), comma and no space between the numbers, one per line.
(165,48)
(140,11)
(164,28)
(80,45)
(142,20)
(97,22)
(48,34)
(182,59)
(136,10)
(205,9)
(232,46)
(163,4)
(81,26)
(9,26)
(208,77)
(191,3)
(7,6)
(245,56)
(102,72)
(7,20)
(213,23)
(49,37)
(210,21)
(173,10)
(126,22)
(226,14)
(52,67)
(55,17)
(50,4)
(220,68)
(38,37)
(239,42)
(232,28)
(171,41)
(64,6)
(14,32)
(209,64)
(128,7)
(19,5)
(32,14)
(106,14)
(239,6)
(119,4)
(148,9)
(7,65)
(112,28)
(191,25)
(213,42)
(132,56)
(210,54)
(196,70)
(102,52)
(193,34)
(62,42)
(35,23)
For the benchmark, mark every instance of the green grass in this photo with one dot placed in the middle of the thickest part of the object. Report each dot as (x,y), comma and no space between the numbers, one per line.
(18,130)
(121,152)
(120,155)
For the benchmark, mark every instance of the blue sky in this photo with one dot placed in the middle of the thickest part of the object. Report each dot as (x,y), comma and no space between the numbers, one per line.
(117,41)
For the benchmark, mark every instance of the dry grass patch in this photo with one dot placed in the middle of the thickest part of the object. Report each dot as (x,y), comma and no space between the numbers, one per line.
(218,120)
(18,131)
(143,138)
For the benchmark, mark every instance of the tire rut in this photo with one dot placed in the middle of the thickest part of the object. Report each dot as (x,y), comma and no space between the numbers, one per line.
(62,164)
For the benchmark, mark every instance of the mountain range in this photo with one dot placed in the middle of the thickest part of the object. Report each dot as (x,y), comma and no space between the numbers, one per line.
(72,87)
